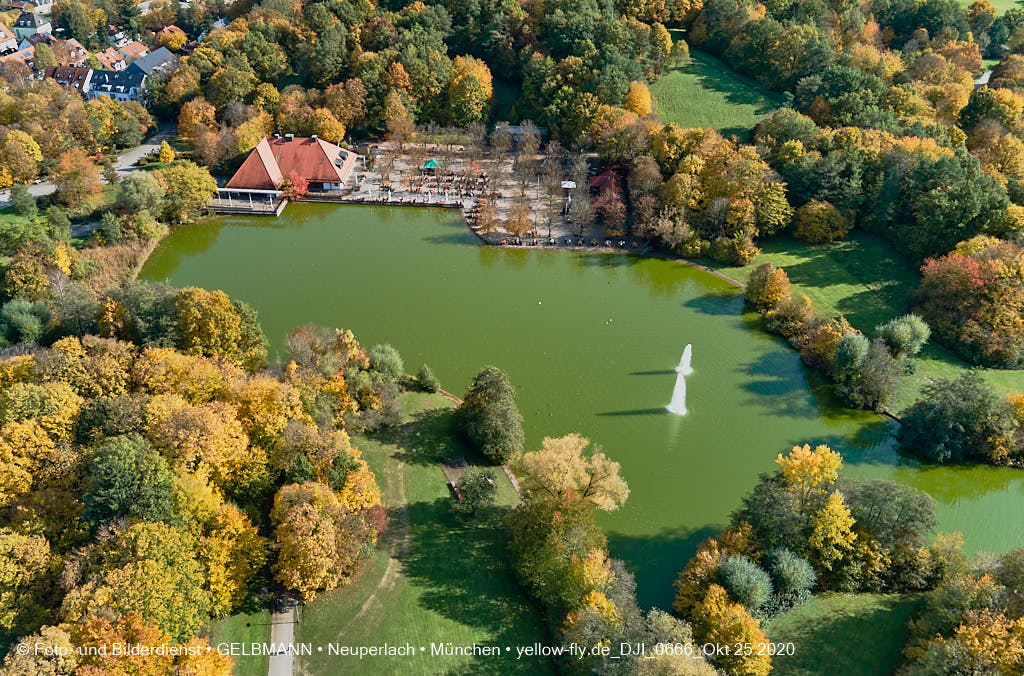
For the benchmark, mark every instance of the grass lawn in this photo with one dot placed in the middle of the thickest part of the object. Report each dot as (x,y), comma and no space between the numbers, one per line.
(705,93)
(1000,5)
(867,281)
(244,628)
(844,635)
(434,579)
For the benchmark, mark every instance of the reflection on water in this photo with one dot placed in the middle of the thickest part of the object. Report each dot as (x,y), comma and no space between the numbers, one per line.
(591,342)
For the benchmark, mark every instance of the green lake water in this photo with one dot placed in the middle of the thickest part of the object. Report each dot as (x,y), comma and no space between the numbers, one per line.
(590,341)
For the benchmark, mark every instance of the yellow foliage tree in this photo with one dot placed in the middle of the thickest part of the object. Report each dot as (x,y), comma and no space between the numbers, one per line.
(166,152)
(560,468)
(810,473)
(234,554)
(720,621)
(638,98)
(360,490)
(820,221)
(831,535)
(265,405)
(995,638)
(25,448)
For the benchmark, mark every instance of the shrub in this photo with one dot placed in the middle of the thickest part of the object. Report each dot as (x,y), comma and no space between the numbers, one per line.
(488,416)
(873,384)
(791,319)
(767,287)
(904,335)
(745,581)
(853,348)
(385,360)
(820,221)
(790,573)
(428,381)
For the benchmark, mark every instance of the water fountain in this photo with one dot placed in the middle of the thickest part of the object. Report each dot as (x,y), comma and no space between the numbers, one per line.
(678,404)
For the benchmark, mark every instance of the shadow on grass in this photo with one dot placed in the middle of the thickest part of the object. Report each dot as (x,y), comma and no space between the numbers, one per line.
(716,75)
(426,438)
(656,560)
(462,570)
(844,635)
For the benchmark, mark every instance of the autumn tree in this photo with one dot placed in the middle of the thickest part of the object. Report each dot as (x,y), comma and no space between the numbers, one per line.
(767,287)
(319,541)
(166,154)
(197,117)
(470,90)
(638,98)
(561,469)
(189,189)
(832,536)
(21,155)
(210,324)
(718,620)
(77,181)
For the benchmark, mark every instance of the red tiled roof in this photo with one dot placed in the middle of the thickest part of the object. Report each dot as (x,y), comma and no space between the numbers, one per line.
(170,31)
(606,183)
(69,76)
(134,50)
(273,160)
(109,58)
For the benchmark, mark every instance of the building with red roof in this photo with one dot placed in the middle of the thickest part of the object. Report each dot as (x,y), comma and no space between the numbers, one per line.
(71,76)
(324,165)
(605,186)
(111,59)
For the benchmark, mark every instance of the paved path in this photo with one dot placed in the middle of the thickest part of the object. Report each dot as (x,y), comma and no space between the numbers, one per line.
(282,632)
(125,163)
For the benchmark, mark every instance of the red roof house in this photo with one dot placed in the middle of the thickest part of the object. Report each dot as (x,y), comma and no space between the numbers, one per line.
(604,186)
(323,164)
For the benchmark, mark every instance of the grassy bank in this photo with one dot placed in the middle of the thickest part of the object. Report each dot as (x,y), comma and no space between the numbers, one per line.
(844,635)
(244,628)
(447,580)
(864,279)
(706,93)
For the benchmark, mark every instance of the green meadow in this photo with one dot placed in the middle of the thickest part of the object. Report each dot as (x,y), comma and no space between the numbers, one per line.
(706,93)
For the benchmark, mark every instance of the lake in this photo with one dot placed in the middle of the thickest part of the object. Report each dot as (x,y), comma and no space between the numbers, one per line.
(590,341)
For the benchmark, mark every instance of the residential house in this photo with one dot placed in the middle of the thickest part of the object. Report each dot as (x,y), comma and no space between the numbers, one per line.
(8,40)
(159,61)
(71,76)
(324,165)
(117,37)
(122,85)
(604,187)
(111,59)
(30,23)
(44,7)
(22,56)
(68,52)
(133,50)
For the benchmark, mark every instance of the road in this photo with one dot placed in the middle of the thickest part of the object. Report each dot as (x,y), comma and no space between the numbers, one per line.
(125,163)
(282,635)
